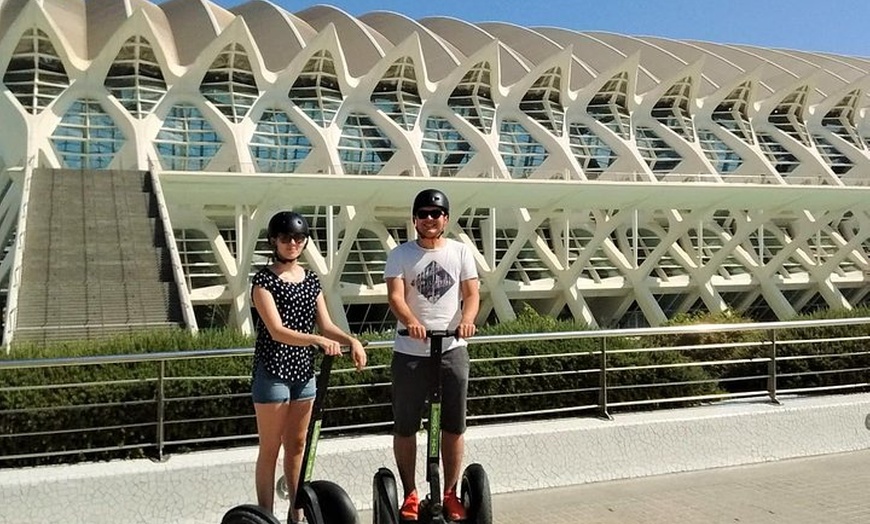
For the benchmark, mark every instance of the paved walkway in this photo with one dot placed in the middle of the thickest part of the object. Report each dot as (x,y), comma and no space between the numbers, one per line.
(831,489)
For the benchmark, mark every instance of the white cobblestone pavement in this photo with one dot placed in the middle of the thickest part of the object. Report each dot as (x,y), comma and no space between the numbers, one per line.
(829,489)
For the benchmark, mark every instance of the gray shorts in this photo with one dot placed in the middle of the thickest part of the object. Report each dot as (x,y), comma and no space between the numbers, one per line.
(410,390)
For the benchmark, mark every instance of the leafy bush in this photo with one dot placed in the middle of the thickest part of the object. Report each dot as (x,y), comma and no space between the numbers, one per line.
(833,363)
(77,412)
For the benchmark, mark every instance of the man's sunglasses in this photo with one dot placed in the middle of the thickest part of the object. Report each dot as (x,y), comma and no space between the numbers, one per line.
(423,214)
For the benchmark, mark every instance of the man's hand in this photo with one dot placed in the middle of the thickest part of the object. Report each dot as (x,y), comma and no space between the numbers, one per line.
(416,330)
(466,330)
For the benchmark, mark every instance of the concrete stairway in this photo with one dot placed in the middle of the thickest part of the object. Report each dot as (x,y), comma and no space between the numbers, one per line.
(95,260)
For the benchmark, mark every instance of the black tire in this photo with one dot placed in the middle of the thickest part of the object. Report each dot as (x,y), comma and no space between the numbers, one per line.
(325,502)
(249,514)
(385,498)
(476,495)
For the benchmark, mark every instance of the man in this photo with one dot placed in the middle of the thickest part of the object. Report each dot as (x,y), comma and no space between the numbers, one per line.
(431,284)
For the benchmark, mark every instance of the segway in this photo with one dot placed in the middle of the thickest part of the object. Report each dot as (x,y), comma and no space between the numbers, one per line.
(475,492)
(322,501)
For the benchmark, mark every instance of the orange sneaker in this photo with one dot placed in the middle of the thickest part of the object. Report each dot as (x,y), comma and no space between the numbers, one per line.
(453,508)
(411,507)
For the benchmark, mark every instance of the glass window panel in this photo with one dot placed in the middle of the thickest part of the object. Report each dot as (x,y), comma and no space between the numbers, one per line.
(672,109)
(445,150)
(723,158)
(472,98)
(610,107)
(522,154)
(36,71)
(86,137)
(840,120)
(135,77)
(317,91)
(591,152)
(783,161)
(659,156)
(788,116)
(836,160)
(543,101)
(397,94)
(278,145)
(363,148)
(229,83)
(186,142)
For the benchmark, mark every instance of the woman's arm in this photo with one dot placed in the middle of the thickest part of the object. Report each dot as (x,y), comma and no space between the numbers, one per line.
(328,328)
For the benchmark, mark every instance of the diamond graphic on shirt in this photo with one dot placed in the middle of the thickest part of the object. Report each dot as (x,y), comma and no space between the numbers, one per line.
(433,282)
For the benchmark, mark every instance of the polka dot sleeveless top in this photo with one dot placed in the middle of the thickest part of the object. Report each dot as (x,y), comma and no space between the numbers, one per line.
(296,303)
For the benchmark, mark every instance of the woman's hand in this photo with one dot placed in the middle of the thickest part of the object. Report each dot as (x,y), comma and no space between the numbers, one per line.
(329,346)
(358,354)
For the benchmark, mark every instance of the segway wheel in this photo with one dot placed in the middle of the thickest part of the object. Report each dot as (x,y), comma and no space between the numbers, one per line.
(249,514)
(476,495)
(385,498)
(325,502)
(281,488)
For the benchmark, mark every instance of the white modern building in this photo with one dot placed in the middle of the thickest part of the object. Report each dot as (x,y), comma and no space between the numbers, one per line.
(615,179)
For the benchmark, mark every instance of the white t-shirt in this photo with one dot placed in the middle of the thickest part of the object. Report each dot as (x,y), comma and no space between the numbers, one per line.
(433,289)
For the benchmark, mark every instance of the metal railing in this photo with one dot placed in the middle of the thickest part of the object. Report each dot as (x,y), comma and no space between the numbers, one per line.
(514,377)
(172,246)
(11,309)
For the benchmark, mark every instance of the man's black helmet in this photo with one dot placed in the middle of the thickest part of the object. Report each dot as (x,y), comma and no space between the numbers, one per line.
(287,223)
(431,198)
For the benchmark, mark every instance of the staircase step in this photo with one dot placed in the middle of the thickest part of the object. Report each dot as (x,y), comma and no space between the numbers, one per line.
(94,256)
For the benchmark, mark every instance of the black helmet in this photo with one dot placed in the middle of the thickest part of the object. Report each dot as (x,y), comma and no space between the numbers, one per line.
(431,198)
(287,223)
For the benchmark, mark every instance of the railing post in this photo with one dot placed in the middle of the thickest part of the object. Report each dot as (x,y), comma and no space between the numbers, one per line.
(602,381)
(771,369)
(161,408)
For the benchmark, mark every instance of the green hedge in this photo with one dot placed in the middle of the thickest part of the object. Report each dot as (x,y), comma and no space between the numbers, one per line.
(220,410)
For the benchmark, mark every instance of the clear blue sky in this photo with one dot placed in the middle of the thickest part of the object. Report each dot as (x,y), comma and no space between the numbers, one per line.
(836,26)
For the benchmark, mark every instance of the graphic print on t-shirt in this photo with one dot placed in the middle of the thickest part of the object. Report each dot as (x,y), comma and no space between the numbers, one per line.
(433,282)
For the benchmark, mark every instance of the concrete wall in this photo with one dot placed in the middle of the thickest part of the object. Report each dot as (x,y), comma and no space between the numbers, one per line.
(198,488)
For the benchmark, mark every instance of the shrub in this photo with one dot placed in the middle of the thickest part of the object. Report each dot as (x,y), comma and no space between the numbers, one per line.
(70,413)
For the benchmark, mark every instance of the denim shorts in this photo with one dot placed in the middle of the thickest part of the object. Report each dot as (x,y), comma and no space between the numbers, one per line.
(266,388)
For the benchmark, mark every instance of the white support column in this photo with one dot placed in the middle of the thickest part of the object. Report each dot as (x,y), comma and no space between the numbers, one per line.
(578,306)
(776,300)
(330,238)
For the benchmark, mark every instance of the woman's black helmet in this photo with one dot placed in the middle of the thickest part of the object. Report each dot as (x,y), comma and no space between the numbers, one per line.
(431,198)
(287,223)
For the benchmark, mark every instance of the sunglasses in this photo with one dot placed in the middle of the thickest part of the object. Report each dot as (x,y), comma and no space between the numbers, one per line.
(297,238)
(423,214)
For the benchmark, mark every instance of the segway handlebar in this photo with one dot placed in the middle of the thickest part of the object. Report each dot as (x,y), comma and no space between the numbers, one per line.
(432,333)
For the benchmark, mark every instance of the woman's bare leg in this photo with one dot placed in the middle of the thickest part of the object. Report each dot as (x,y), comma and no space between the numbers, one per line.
(293,439)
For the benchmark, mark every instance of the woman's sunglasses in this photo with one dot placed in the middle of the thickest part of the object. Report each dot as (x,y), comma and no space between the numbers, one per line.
(296,238)
(423,214)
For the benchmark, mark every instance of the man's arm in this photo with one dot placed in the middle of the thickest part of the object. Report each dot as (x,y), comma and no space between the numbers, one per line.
(401,310)
(470,306)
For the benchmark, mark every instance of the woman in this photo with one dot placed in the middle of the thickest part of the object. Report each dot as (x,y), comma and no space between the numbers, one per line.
(289,302)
